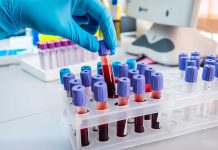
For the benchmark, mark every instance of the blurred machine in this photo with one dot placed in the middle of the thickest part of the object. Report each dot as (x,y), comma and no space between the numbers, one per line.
(174,29)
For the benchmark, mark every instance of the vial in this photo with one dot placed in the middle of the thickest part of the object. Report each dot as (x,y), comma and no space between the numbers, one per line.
(44,56)
(86,78)
(59,53)
(71,52)
(182,65)
(65,52)
(122,70)
(53,55)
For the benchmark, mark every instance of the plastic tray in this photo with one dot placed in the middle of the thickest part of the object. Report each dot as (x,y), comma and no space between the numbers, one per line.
(171,106)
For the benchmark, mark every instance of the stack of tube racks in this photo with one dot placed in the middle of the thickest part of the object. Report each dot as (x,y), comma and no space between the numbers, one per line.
(180,112)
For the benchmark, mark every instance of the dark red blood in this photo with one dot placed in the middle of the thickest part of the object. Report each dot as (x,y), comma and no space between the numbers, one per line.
(84,137)
(103,132)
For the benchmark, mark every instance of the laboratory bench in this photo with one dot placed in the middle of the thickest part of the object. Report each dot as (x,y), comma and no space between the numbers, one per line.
(31,117)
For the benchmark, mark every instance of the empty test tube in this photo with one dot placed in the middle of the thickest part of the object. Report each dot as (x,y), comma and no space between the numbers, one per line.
(182,65)
(104,52)
(123,91)
(131,63)
(191,75)
(58,50)
(138,96)
(52,55)
(80,101)
(207,76)
(86,78)
(65,52)
(44,56)
(157,87)
(101,95)
(141,67)
(197,59)
(63,71)
(67,77)
(122,70)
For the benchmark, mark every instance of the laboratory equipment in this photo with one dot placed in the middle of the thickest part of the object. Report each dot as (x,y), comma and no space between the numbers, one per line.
(173,26)
(86,68)
(209,62)
(197,59)
(66,78)
(86,78)
(141,68)
(62,72)
(104,52)
(190,63)
(131,63)
(44,56)
(123,70)
(182,65)
(115,65)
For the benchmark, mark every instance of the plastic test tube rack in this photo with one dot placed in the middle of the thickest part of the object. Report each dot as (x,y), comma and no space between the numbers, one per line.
(172,104)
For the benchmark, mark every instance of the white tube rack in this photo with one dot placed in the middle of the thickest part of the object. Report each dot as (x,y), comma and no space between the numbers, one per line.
(171,106)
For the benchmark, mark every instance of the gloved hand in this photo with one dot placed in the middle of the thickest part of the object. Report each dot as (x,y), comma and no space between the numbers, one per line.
(60,17)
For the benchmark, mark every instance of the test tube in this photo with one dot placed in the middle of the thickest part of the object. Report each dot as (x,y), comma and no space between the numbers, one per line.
(62,72)
(95,79)
(207,76)
(65,52)
(101,95)
(122,70)
(138,96)
(156,87)
(86,78)
(104,52)
(123,91)
(147,73)
(44,56)
(72,83)
(80,101)
(86,68)
(191,75)
(197,59)
(58,49)
(131,63)
(71,51)
(66,78)
(210,62)
(141,67)
(131,74)
(115,65)
(182,65)
(195,54)
(77,54)
(53,55)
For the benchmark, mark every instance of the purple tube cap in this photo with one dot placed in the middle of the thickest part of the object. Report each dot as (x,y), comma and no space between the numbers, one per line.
(100,91)
(141,67)
(70,42)
(57,44)
(97,78)
(213,57)
(183,55)
(216,70)
(103,51)
(197,59)
(157,81)
(72,83)
(191,63)
(79,95)
(195,54)
(182,62)
(67,77)
(191,74)
(138,84)
(86,78)
(64,43)
(123,70)
(147,74)
(123,87)
(51,45)
(210,62)
(208,72)
(100,71)
(44,46)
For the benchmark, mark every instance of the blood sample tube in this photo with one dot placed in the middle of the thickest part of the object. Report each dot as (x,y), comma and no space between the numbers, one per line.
(141,67)
(53,55)
(197,59)
(156,87)
(100,71)
(80,101)
(62,72)
(131,63)
(138,96)
(207,76)
(44,56)
(58,49)
(123,91)
(86,78)
(213,57)
(67,77)
(190,63)
(86,68)
(71,51)
(65,52)
(104,52)
(210,62)
(191,75)
(182,65)
(195,54)
(122,70)
(115,65)
(148,72)
(95,79)
(101,95)
(131,74)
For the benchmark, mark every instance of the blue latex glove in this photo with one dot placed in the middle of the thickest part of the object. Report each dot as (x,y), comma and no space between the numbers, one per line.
(59,17)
